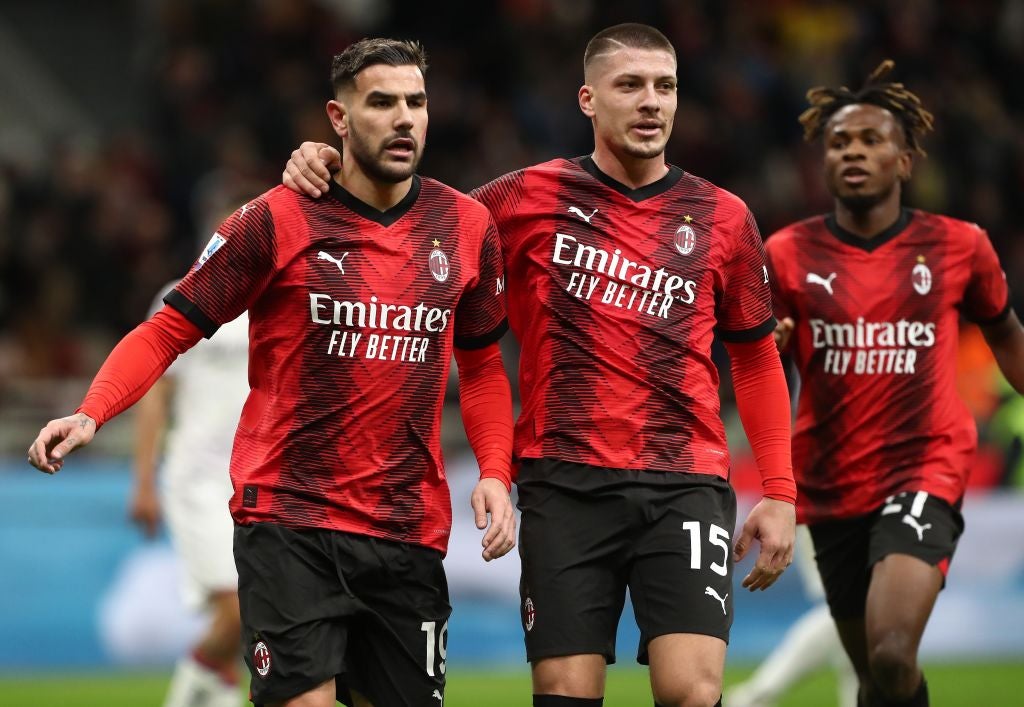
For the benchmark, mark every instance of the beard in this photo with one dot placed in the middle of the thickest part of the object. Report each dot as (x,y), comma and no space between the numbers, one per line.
(374,162)
(644,150)
(862,203)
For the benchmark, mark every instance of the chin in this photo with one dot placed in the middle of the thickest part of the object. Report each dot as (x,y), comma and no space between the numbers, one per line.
(859,202)
(644,150)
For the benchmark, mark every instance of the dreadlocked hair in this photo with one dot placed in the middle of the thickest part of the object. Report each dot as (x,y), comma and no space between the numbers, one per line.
(894,97)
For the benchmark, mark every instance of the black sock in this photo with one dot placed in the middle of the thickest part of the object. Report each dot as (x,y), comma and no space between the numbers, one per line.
(563,701)
(717,704)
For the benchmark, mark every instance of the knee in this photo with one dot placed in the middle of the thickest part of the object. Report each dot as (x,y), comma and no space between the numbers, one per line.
(697,693)
(893,664)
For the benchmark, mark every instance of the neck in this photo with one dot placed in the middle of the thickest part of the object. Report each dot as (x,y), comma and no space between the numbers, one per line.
(868,222)
(380,195)
(634,172)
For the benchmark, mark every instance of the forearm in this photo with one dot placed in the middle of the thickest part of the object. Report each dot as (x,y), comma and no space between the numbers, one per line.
(1007,343)
(137,362)
(485,400)
(762,399)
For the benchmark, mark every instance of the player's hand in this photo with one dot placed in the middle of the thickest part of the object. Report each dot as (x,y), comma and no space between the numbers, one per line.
(773,524)
(490,498)
(783,330)
(309,169)
(145,509)
(58,439)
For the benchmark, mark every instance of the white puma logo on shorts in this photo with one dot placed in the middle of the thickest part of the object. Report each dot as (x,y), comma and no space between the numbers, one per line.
(708,591)
(909,520)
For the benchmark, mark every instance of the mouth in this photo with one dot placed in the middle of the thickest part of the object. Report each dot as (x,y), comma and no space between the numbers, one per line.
(401,148)
(854,176)
(647,128)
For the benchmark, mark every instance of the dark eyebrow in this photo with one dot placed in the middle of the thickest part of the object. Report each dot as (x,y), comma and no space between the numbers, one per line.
(376,95)
(638,77)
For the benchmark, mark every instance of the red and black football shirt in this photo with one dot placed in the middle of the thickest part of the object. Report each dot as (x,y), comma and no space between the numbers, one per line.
(615,295)
(875,344)
(353,314)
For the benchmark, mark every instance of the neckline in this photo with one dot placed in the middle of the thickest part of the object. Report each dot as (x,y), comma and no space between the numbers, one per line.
(668,181)
(384,218)
(878,240)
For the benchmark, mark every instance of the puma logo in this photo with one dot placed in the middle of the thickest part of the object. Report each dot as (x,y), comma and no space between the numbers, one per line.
(708,591)
(909,520)
(815,279)
(337,261)
(575,210)
(245,207)
(437,696)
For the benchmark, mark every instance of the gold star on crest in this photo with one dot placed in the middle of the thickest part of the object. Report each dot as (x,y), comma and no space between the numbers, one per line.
(437,243)
(920,258)
(688,218)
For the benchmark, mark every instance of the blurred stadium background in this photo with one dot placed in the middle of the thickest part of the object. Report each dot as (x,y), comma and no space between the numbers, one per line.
(126,125)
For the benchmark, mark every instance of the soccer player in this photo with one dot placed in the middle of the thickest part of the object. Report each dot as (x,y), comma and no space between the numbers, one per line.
(202,393)
(620,270)
(340,503)
(871,295)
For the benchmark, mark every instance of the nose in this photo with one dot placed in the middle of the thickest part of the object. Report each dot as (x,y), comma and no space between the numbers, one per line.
(650,102)
(404,120)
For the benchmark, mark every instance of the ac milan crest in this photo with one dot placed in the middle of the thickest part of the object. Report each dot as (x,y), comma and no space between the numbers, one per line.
(685,239)
(261,659)
(921,278)
(529,613)
(439,266)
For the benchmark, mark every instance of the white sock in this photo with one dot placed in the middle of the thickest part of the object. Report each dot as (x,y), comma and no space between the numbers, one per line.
(809,644)
(194,685)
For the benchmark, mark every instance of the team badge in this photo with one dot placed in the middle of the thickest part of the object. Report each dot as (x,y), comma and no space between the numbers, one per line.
(529,613)
(685,239)
(921,277)
(212,247)
(261,659)
(438,262)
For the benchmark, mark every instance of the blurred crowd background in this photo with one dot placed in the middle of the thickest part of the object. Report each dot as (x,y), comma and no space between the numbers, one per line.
(129,127)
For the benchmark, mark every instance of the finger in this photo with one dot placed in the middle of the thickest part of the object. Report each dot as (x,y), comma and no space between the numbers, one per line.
(299,181)
(313,164)
(479,510)
(743,543)
(330,157)
(64,448)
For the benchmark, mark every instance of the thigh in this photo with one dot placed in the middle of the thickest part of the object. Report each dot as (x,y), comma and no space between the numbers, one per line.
(680,578)
(294,609)
(686,667)
(841,550)
(900,601)
(573,582)
(398,645)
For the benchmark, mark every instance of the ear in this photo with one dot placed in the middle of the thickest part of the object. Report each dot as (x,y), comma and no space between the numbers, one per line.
(905,165)
(586,100)
(338,114)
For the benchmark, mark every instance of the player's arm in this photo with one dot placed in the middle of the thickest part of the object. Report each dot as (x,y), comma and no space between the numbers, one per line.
(763,402)
(485,400)
(309,169)
(784,320)
(1006,339)
(130,370)
(150,425)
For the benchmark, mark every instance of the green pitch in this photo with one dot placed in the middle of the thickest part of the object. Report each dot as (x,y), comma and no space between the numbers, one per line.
(950,686)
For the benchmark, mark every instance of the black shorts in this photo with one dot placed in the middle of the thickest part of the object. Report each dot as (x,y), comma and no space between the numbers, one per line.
(587,533)
(911,523)
(317,604)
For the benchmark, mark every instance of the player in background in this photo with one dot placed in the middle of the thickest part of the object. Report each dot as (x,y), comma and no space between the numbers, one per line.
(193,408)
(620,270)
(869,298)
(809,644)
(341,507)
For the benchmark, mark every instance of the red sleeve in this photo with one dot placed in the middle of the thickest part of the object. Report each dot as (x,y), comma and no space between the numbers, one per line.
(745,309)
(486,403)
(763,401)
(137,362)
(987,298)
(480,315)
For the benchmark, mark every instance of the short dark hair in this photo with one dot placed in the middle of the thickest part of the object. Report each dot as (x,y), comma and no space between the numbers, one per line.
(371,51)
(630,34)
(905,106)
